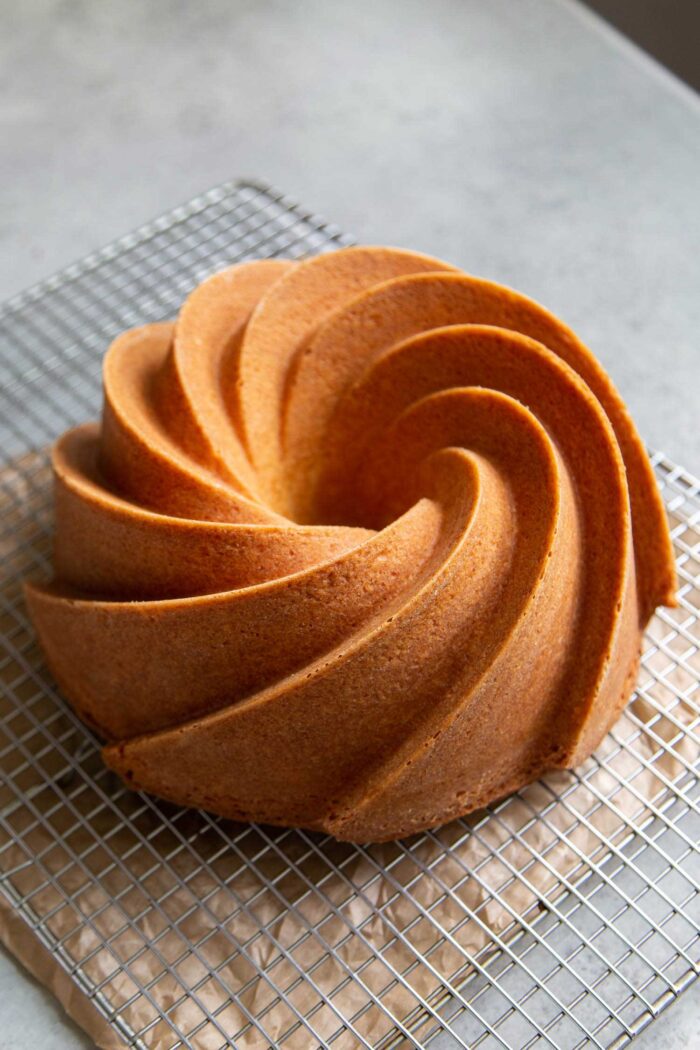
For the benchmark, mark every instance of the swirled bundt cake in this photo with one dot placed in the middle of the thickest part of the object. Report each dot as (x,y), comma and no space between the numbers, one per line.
(360,544)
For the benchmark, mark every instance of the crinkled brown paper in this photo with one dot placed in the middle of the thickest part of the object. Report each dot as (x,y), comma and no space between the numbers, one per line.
(307,911)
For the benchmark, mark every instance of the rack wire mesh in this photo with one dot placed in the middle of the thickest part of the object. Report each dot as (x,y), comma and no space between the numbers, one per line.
(566,915)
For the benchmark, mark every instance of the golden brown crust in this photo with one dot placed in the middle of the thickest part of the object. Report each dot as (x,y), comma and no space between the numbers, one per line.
(362,543)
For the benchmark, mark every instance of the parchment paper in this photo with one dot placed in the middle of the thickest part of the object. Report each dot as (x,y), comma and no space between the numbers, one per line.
(282,923)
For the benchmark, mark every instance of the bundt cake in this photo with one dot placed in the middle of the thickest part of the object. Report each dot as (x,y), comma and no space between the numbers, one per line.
(361,544)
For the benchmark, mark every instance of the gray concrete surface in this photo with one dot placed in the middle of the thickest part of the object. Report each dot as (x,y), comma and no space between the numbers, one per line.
(524,140)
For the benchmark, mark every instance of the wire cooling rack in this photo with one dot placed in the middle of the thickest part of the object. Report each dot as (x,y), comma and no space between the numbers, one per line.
(564,916)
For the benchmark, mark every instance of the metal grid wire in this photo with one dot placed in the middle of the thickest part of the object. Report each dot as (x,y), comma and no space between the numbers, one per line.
(564,916)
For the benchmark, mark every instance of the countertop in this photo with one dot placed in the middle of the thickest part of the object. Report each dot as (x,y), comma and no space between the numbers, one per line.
(525,141)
